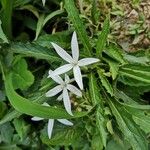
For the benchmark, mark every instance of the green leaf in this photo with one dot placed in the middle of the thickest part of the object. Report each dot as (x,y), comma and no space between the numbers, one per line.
(114,67)
(142,118)
(105,83)
(2,35)
(95,13)
(63,137)
(96,98)
(34,50)
(102,39)
(130,130)
(101,125)
(2,109)
(28,107)
(43,20)
(22,77)
(114,52)
(113,145)
(78,24)
(30,8)
(137,72)
(61,38)
(6,132)
(9,116)
(21,127)
(6,17)
(39,25)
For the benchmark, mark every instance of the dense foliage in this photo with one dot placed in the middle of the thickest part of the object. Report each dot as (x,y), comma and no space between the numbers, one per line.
(114,111)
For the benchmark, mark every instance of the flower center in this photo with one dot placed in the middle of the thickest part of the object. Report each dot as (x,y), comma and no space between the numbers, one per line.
(75,63)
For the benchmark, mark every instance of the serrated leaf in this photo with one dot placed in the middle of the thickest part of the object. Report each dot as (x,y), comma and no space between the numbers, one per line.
(2,35)
(61,38)
(63,137)
(34,50)
(100,123)
(137,72)
(114,52)
(102,39)
(9,116)
(78,24)
(96,98)
(142,118)
(114,67)
(105,83)
(28,107)
(130,130)
(22,77)
(6,132)
(21,127)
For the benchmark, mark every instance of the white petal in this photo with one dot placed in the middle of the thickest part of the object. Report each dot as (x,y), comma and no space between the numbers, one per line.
(75,47)
(60,97)
(50,127)
(67,102)
(87,61)
(62,53)
(62,69)
(74,90)
(67,79)
(54,91)
(45,104)
(65,122)
(43,1)
(78,76)
(56,78)
(36,118)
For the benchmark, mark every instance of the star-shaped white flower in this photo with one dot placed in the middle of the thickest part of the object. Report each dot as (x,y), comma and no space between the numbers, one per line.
(51,122)
(63,86)
(74,62)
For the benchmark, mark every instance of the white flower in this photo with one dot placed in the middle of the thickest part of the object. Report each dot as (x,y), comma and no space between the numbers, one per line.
(74,62)
(43,1)
(63,86)
(51,122)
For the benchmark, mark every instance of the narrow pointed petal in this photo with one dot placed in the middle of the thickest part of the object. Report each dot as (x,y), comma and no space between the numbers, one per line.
(54,91)
(67,79)
(43,1)
(78,76)
(74,90)
(56,78)
(67,102)
(36,118)
(60,97)
(65,122)
(50,127)
(62,53)
(75,47)
(62,69)
(87,61)
(45,104)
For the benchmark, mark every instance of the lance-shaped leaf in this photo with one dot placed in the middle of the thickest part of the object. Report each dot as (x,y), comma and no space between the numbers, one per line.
(102,39)
(28,107)
(34,50)
(136,72)
(105,83)
(130,130)
(78,24)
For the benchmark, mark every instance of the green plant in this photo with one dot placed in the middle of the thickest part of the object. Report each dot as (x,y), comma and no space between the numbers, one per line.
(113,112)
